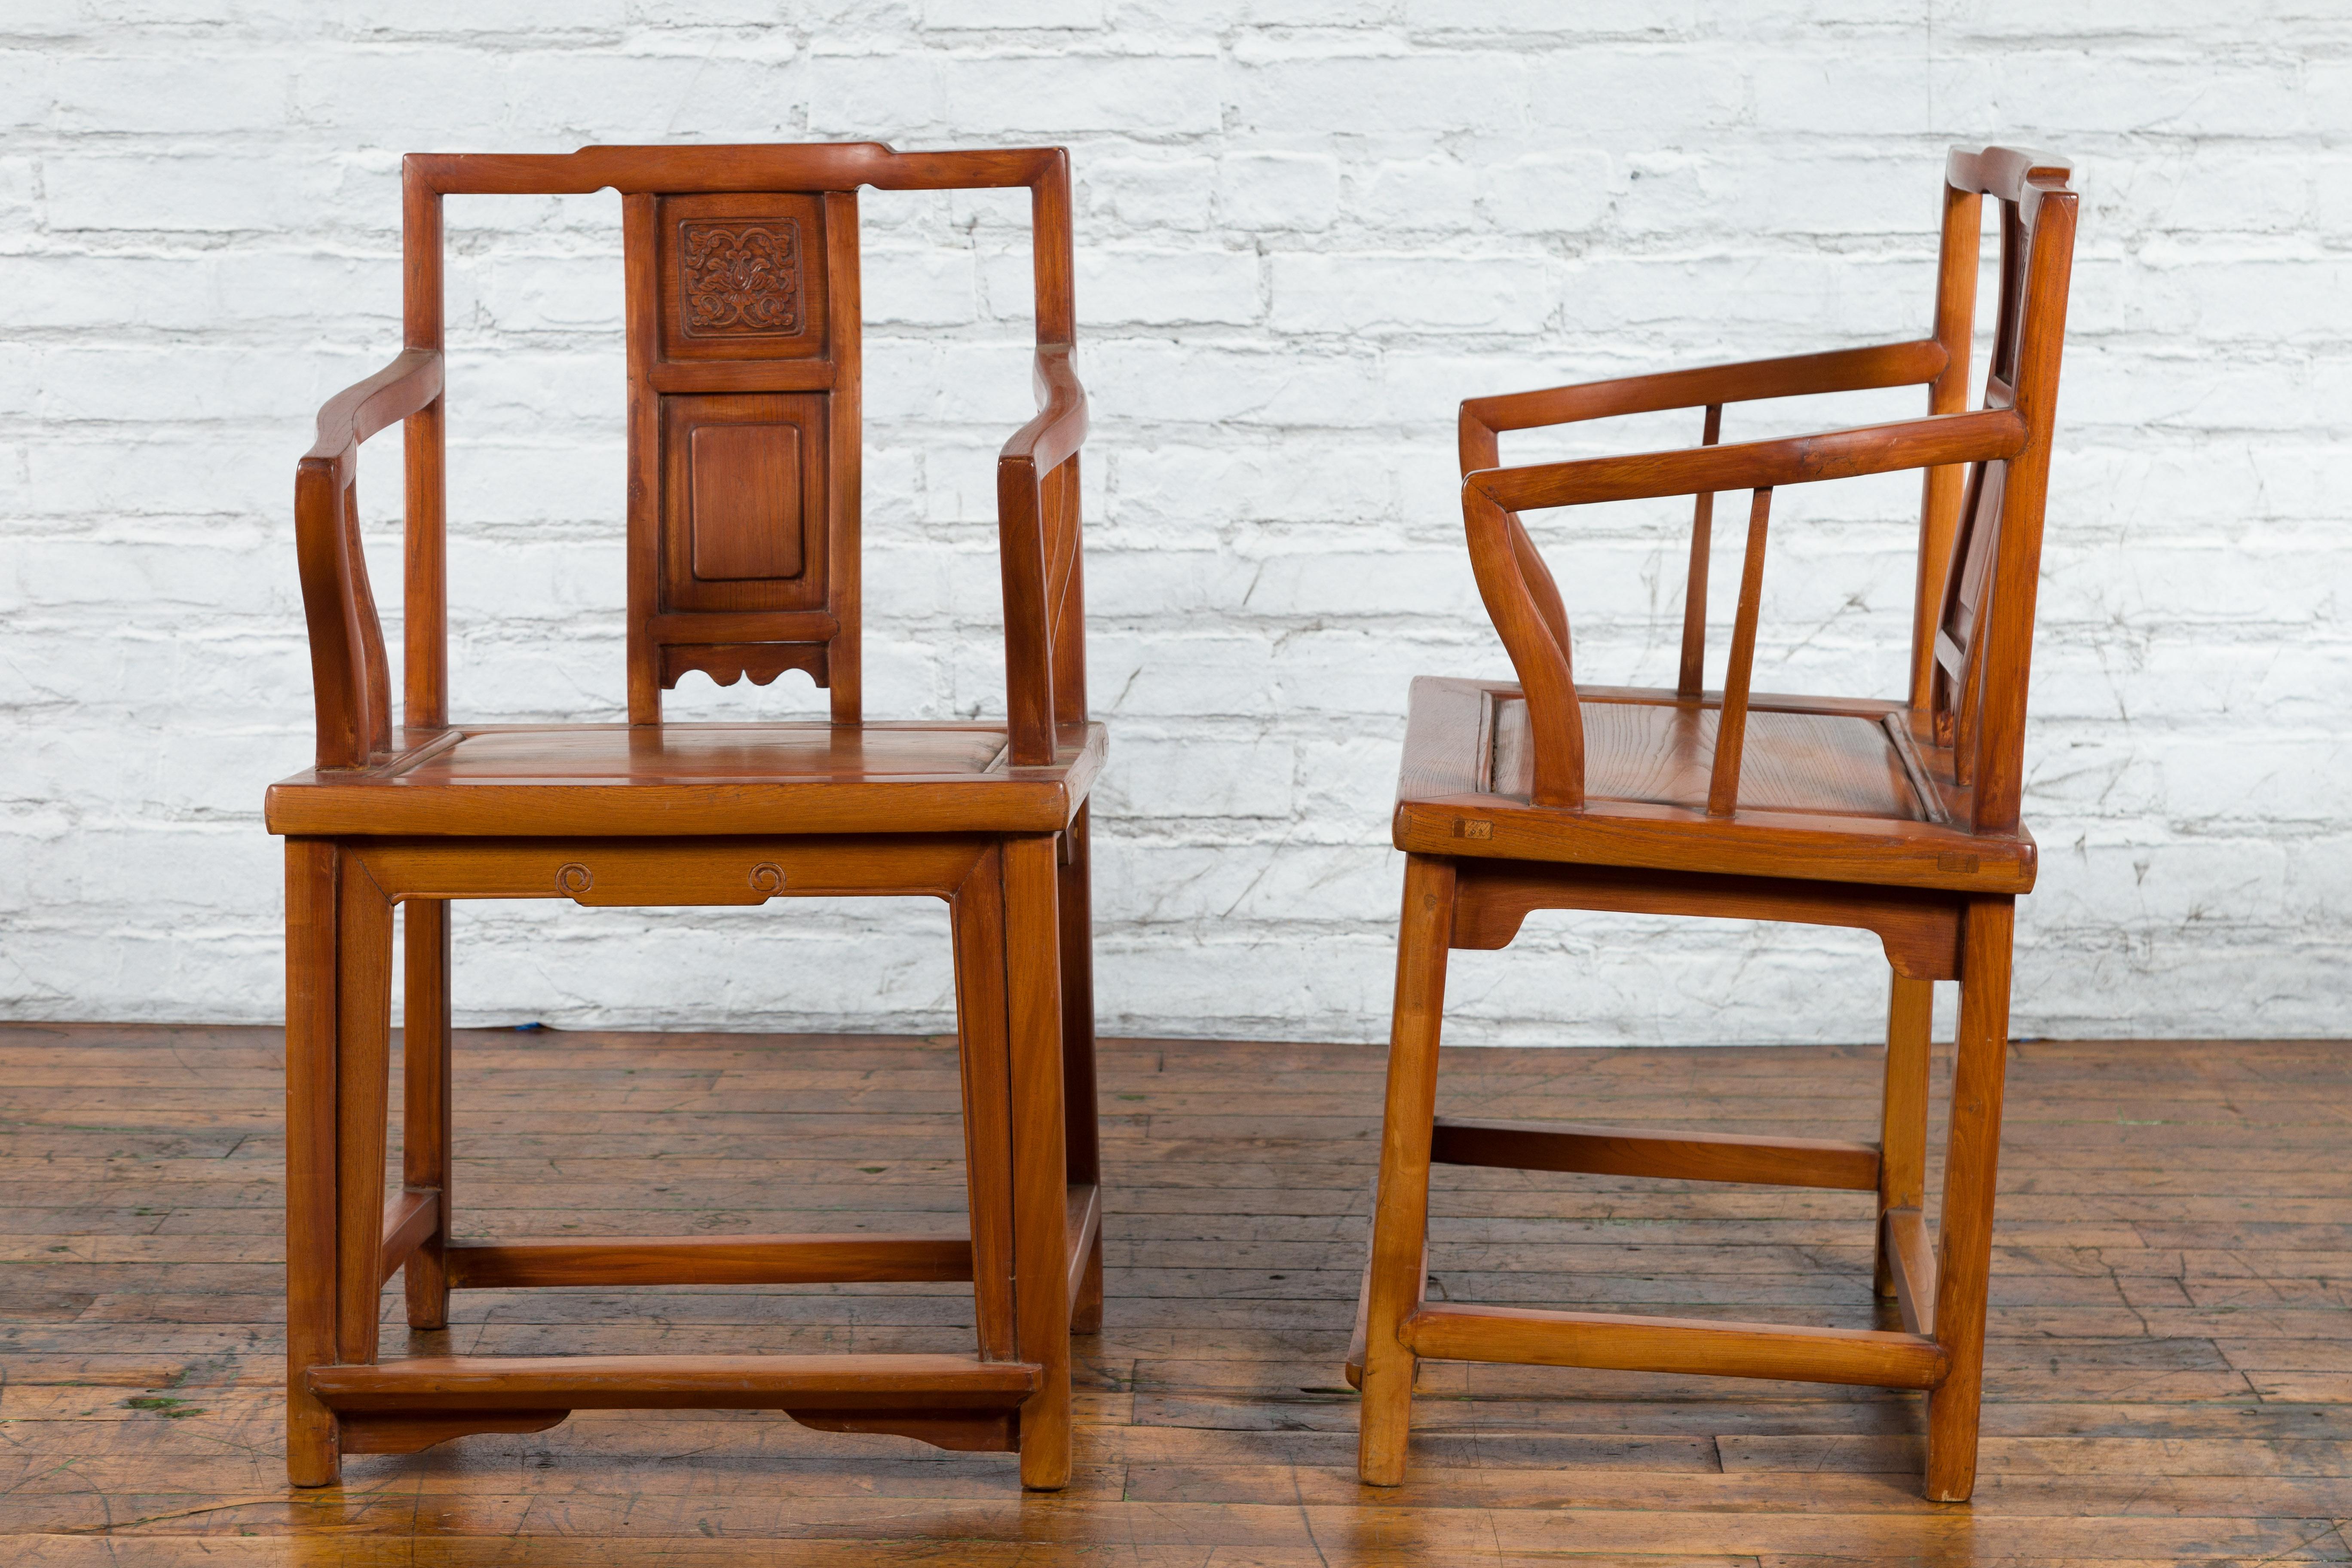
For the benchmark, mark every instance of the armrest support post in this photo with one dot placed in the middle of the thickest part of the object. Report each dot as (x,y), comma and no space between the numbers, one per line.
(1731,724)
(1523,603)
(1693,679)
(1028,640)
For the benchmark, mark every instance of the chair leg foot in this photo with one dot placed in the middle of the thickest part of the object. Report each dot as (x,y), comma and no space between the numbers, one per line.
(1046,1454)
(1952,1417)
(314,1456)
(1387,1429)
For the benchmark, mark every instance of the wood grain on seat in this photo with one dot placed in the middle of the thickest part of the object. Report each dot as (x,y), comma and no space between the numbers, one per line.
(1662,752)
(688,754)
(633,780)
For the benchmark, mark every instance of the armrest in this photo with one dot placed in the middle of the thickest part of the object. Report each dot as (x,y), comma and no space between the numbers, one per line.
(1060,426)
(1037,550)
(1928,442)
(350,685)
(1843,369)
(1524,605)
(403,387)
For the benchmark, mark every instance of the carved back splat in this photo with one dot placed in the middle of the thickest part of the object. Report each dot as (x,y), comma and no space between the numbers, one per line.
(743,440)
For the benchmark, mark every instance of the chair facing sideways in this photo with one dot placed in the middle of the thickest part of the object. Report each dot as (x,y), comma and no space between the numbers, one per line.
(1896,818)
(744,436)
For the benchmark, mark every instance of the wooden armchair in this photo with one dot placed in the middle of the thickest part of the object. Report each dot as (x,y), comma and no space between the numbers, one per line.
(744,441)
(1896,817)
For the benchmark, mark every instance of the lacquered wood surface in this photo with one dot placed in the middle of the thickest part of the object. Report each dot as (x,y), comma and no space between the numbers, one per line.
(698,754)
(527,1262)
(1899,818)
(1919,929)
(1936,441)
(768,359)
(674,1383)
(2167,1383)
(1004,895)
(1840,369)
(1978,704)
(1831,1163)
(659,780)
(1690,1347)
(1459,740)
(741,280)
(1662,752)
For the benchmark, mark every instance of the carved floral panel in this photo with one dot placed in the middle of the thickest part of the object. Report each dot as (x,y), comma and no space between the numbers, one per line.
(742,280)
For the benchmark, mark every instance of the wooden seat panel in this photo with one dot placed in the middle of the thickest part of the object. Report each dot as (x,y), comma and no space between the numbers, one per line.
(698,754)
(687,779)
(1816,765)
(1660,750)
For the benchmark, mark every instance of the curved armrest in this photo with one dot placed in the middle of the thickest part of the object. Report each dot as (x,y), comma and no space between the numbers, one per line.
(350,685)
(1843,369)
(405,386)
(1930,443)
(1060,426)
(1524,605)
(1037,548)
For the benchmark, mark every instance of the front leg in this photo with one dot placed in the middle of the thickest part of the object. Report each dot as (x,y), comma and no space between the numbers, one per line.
(363,1086)
(1041,1261)
(1401,1206)
(1972,1161)
(313,1453)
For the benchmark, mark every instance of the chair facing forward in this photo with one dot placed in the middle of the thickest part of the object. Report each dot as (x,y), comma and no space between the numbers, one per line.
(1900,818)
(744,439)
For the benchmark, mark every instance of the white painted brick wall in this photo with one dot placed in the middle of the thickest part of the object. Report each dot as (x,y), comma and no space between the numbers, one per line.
(1307,228)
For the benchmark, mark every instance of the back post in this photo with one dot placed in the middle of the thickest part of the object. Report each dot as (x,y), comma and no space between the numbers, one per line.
(1979,645)
(1957,260)
(2038,265)
(1038,512)
(425,602)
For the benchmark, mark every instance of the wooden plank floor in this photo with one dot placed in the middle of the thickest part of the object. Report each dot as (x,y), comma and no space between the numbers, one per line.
(2171,1375)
